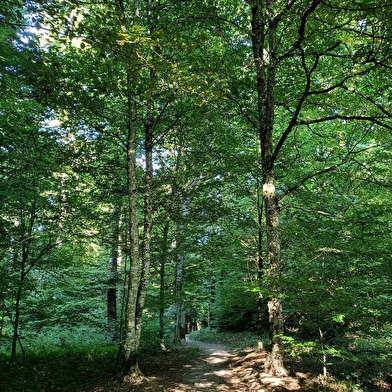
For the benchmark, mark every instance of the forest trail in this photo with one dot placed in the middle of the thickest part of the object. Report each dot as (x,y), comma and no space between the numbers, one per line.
(222,369)
(214,368)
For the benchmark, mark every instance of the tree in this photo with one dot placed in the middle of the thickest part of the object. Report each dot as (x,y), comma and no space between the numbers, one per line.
(184,115)
(326,52)
(28,158)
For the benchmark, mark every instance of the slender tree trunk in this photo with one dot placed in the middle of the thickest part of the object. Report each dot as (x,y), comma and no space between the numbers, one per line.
(264,26)
(179,335)
(162,285)
(114,262)
(131,339)
(138,275)
(26,228)
(15,334)
(162,306)
(2,317)
(147,213)
(260,273)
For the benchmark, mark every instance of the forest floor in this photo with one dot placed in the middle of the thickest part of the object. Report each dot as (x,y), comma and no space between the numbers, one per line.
(203,367)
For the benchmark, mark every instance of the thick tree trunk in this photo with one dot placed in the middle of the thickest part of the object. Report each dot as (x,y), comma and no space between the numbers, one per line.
(274,362)
(264,26)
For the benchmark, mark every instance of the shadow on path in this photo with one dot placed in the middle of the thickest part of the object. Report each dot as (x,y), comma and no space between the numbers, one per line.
(214,368)
(221,369)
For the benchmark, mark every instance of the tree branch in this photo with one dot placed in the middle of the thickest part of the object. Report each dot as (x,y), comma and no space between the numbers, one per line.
(312,175)
(373,120)
(297,111)
(319,212)
(301,29)
(369,99)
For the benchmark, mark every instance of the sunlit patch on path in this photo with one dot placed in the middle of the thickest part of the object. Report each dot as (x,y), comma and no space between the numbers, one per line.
(213,369)
(232,371)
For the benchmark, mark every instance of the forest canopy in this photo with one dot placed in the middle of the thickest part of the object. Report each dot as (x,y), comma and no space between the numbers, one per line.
(168,166)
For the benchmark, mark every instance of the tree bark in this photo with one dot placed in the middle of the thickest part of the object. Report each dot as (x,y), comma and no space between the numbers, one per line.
(179,334)
(162,285)
(260,272)
(179,330)
(114,262)
(138,276)
(264,46)
(26,264)
(139,269)
(132,332)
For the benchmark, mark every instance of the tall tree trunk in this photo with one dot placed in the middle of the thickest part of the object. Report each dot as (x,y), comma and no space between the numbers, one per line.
(114,262)
(15,334)
(138,275)
(147,212)
(264,26)
(131,339)
(179,334)
(162,285)
(274,363)
(260,272)
(26,232)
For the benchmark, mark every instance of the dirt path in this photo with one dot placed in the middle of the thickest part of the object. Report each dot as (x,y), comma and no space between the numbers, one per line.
(214,372)
(225,370)
(214,368)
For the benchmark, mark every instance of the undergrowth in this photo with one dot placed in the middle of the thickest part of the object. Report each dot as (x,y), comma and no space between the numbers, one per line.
(57,369)
(343,377)
(69,360)
(233,340)
(65,365)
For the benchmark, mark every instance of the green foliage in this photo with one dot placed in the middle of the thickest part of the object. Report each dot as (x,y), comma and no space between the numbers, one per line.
(235,308)
(52,369)
(63,130)
(362,359)
(236,341)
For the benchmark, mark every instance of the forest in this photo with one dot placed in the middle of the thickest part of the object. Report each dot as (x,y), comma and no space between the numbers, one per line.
(217,168)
